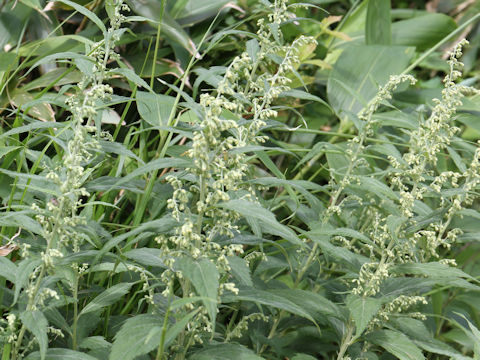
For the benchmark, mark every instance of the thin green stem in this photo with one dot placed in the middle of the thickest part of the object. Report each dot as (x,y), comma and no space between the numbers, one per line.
(157,42)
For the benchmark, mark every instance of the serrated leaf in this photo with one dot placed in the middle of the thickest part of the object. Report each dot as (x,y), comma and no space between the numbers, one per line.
(138,336)
(37,324)
(106,298)
(204,276)
(362,310)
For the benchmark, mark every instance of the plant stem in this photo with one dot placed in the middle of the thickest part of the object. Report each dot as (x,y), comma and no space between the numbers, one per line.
(346,341)
(75,311)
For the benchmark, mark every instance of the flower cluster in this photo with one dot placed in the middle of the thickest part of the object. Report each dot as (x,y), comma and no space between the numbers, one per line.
(59,214)
(232,120)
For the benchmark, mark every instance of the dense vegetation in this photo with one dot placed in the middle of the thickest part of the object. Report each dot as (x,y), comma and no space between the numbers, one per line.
(250,179)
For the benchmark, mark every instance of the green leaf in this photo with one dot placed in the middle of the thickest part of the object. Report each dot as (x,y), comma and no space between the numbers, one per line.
(196,11)
(422,32)
(154,165)
(315,304)
(37,324)
(397,344)
(160,225)
(358,73)
(8,269)
(225,351)
(151,9)
(85,12)
(106,298)
(299,94)
(269,298)
(431,269)
(378,26)
(240,270)
(270,225)
(129,74)
(7,59)
(362,310)
(178,327)
(58,56)
(303,357)
(155,109)
(138,336)
(61,354)
(204,276)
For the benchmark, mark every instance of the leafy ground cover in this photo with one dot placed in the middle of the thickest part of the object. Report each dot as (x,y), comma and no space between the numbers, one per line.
(250,179)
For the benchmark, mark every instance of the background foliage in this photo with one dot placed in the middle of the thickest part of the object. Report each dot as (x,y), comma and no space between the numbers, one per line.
(165,197)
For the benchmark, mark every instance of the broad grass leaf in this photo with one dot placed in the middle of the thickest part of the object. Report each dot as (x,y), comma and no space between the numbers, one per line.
(138,336)
(378,29)
(397,344)
(59,76)
(30,127)
(106,183)
(225,351)
(151,10)
(106,298)
(37,324)
(196,11)
(119,149)
(358,73)
(270,225)
(362,310)
(129,74)
(155,109)
(61,354)
(59,56)
(7,59)
(269,298)
(85,12)
(422,32)
(299,94)
(204,276)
